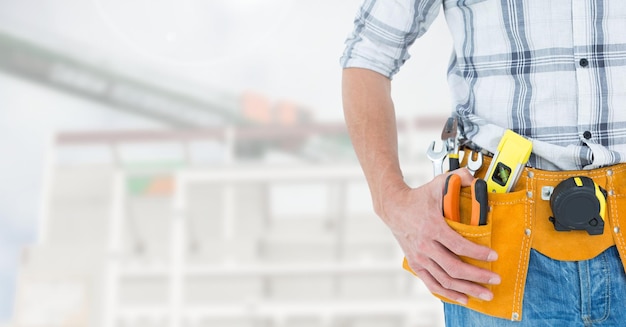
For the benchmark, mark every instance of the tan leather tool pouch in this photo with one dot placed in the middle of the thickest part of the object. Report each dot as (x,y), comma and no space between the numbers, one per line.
(519,220)
(501,233)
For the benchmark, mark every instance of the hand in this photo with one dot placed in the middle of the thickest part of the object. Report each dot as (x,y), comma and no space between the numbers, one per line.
(431,247)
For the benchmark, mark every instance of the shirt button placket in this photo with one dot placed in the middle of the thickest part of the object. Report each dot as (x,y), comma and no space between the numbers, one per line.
(583,69)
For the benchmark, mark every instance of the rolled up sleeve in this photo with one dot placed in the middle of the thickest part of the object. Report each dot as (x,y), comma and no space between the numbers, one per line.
(383,32)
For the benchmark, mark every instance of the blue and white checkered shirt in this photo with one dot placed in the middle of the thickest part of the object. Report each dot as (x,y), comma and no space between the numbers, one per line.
(551,70)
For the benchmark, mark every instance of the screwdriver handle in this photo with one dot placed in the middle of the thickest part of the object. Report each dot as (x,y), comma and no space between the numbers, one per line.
(451,197)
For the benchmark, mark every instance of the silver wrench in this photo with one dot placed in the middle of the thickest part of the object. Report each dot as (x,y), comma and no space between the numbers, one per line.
(437,157)
(474,165)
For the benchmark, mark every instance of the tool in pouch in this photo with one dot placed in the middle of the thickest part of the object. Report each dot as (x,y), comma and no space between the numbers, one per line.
(451,141)
(437,158)
(512,154)
(451,204)
(451,200)
(452,187)
(578,203)
(474,164)
(508,162)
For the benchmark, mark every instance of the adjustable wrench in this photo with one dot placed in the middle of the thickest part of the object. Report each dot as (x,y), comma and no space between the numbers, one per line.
(437,157)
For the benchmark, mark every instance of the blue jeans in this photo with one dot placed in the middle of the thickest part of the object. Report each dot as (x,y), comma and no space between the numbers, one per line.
(562,293)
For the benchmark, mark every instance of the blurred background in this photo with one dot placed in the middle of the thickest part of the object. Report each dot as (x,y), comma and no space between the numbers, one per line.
(185,163)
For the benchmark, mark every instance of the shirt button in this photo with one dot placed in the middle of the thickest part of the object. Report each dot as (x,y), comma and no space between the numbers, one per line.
(587,135)
(583,62)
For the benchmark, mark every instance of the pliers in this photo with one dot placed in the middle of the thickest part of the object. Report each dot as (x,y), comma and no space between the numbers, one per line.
(452,197)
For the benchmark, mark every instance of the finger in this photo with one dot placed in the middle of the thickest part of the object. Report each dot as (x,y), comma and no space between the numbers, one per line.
(457,289)
(452,274)
(435,287)
(458,269)
(464,247)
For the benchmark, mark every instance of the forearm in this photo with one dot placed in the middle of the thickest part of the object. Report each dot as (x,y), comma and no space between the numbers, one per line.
(370,118)
(413,214)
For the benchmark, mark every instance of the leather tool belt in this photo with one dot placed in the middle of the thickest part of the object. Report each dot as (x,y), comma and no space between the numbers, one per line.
(520,220)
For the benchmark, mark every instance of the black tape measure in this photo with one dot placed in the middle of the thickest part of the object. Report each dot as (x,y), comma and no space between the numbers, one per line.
(578,203)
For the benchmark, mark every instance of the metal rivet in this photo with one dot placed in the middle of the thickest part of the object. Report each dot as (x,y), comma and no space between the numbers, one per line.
(529,194)
(531,174)
(527,232)
(611,192)
(546,192)
(515,316)
(616,230)
(609,172)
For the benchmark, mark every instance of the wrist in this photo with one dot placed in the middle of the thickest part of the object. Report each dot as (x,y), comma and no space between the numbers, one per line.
(390,188)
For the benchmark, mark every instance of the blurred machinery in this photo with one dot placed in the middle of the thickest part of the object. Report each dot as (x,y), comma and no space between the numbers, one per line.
(249,214)
(164,100)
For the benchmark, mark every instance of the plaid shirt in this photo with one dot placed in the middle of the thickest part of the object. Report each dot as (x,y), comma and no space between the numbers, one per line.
(551,70)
